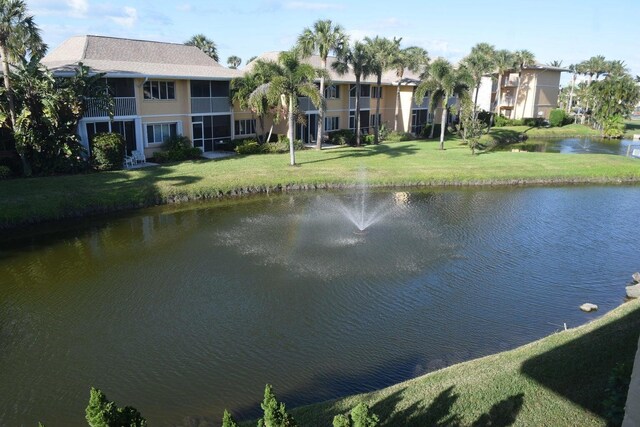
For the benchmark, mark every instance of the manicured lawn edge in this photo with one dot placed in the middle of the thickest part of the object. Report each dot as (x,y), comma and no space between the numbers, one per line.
(394,165)
(559,380)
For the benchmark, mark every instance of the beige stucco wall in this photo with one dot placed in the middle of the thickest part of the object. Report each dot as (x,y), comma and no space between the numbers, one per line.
(149,149)
(149,107)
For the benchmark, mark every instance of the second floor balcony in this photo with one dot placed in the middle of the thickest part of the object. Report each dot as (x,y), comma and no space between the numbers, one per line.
(123,106)
(365,103)
(201,105)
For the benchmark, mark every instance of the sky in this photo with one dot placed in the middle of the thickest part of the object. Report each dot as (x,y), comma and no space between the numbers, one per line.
(570,31)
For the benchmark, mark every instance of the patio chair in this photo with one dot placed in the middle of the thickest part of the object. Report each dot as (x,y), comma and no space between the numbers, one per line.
(138,156)
(128,161)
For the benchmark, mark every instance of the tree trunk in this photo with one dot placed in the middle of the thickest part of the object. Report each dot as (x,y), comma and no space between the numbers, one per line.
(433,124)
(443,122)
(376,128)
(475,101)
(515,101)
(270,131)
(26,168)
(356,122)
(570,105)
(291,132)
(397,112)
(321,110)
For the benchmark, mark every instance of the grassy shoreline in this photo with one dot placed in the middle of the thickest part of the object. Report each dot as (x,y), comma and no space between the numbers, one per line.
(559,380)
(404,164)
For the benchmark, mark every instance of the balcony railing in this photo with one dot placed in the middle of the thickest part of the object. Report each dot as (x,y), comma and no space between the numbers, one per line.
(510,82)
(210,105)
(122,107)
(425,103)
(365,103)
(305,104)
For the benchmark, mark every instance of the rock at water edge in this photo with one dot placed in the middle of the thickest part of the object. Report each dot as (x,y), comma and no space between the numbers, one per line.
(636,277)
(633,291)
(588,307)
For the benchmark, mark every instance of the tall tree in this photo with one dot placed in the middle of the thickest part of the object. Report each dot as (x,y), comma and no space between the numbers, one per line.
(616,68)
(103,413)
(574,74)
(555,63)
(383,53)
(443,82)
(275,413)
(523,58)
(414,59)
(205,44)
(479,62)
(504,61)
(355,58)
(19,37)
(234,61)
(323,38)
(293,79)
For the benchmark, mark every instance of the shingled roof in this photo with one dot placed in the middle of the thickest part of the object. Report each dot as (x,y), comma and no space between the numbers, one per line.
(388,77)
(119,57)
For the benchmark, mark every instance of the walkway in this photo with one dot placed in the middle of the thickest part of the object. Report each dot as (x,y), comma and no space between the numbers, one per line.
(217,154)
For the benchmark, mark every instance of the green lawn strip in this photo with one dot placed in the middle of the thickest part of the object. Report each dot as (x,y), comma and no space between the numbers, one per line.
(394,164)
(559,380)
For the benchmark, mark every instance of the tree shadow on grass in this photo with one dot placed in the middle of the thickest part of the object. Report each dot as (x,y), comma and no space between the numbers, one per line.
(579,370)
(368,151)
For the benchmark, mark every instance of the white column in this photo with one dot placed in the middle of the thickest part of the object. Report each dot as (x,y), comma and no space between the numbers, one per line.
(139,134)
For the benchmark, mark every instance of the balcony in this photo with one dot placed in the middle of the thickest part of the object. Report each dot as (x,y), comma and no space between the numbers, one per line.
(424,105)
(365,103)
(507,102)
(123,106)
(305,104)
(210,105)
(510,82)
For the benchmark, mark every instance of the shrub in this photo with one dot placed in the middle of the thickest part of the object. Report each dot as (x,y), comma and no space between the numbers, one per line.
(176,149)
(557,117)
(342,137)
(107,151)
(613,127)
(396,136)
(368,139)
(5,172)
(101,412)
(383,132)
(484,117)
(249,147)
(533,121)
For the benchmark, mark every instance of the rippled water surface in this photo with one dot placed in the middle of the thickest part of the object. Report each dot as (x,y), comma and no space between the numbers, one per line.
(183,311)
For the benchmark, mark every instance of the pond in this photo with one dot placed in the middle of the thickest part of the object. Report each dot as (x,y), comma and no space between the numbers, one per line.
(577,145)
(183,311)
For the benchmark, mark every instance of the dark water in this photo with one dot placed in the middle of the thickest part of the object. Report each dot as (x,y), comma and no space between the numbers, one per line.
(579,145)
(184,311)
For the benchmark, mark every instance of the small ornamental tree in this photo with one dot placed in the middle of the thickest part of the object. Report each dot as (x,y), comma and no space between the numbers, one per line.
(275,413)
(557,117)
(227,420)
(103,413)
(107,151)
(360,417)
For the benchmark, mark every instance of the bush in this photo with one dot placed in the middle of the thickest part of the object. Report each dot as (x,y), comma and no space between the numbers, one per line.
(557,117)
(342,137)
(400,136)
(484,117)
(249,147)
(501,121)
(368,139)
(533,121)
(176,149)
(107,152)
(5,172)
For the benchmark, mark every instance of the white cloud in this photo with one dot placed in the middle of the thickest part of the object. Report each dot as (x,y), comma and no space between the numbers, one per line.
(78,8)
(312,6)
(127,19)
(185,7)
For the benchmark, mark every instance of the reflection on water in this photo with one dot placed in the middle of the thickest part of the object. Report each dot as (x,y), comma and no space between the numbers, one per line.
(576,146)
(183,311)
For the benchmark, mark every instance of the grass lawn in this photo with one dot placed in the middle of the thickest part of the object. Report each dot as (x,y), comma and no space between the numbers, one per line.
(394,164)
(557,381)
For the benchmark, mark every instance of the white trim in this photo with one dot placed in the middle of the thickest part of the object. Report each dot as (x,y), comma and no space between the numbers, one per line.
(146,132)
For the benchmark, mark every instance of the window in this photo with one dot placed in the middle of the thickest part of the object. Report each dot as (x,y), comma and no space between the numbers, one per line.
(121,88)
(332,92)
(157,89)
(373,120)
(352,120)
(157,133)
(209,89)
(376,92)
(331,123)
(365,91)
(245,127)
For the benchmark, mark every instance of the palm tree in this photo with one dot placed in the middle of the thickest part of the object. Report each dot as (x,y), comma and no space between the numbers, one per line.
(504,61)
(616,68)
(479,62)
(555,63)
(19,36)
(523,59)
(323,39)
(234,61)
(414,59)
(250,92)
(443,82)
(204,44)
(355,58)
(383,53)
(574,73)
(293,79)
